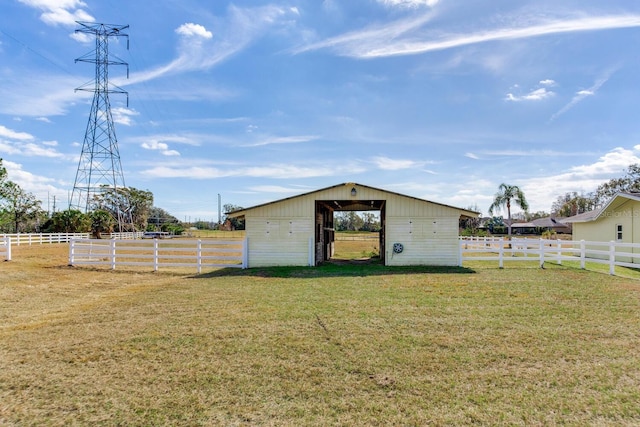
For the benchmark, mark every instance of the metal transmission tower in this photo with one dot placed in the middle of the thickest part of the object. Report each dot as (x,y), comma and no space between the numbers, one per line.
(99,168)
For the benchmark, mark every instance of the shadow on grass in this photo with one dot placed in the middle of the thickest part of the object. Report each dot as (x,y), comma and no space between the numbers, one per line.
(332,269)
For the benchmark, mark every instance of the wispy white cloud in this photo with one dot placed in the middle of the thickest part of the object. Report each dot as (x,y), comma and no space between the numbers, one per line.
(161,147)
(526,153)
(582,94)
(12,134)
(387,163)
(199,49)
(123,116)
(194,30)
(186,139)
(295,139)
(542,191)
(535,95)
(25,144)
(411,4)
(384,41)
(28,149)
(275,171)
(160,142)
(41,186)
(274,189)
(357,43)
(33,95)
(60,12)
(472,156)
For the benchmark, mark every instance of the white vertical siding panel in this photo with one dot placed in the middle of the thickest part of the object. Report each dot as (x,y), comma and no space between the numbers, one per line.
(426,241)
(278,241)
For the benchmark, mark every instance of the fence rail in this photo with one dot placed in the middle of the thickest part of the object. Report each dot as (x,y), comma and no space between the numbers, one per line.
(613,254)
(5,248)
(358,237)
(45,238)
(165,253)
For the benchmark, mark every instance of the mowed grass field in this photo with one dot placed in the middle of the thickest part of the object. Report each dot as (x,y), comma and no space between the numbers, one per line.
(350,345)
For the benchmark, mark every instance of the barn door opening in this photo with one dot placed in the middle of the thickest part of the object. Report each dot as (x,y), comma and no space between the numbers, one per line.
(331,244)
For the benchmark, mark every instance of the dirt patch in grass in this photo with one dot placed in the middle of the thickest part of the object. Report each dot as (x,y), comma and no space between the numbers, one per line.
(519,346)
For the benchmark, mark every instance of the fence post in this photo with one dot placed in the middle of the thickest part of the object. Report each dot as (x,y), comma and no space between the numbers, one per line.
(7,241)
(199,255)
(583,254)
(112,244)
(612,258)
(501,253)
(559,253)
(461,243)
(245,253)
(155,255)
(541,250)
(71,251)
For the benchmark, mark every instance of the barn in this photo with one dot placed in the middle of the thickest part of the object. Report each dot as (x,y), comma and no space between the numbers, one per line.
(299,230)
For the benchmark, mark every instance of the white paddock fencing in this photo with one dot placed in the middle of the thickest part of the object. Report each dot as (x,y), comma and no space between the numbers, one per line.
(158,253)
(42,238)
(518,250)
(5,248)
(45,238)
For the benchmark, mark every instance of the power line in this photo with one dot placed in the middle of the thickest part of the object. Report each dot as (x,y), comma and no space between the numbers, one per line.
(35,52)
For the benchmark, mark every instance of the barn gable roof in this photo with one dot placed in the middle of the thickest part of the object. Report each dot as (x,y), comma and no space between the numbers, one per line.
(241,212)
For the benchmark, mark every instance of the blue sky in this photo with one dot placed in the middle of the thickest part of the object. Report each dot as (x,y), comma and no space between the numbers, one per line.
(257,101)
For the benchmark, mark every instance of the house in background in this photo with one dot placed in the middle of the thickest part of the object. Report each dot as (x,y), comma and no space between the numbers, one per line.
(299,230)
(536,226)
(618,221)
(539,225)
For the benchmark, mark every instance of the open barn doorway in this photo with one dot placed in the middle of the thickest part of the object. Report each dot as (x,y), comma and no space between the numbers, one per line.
(328,248)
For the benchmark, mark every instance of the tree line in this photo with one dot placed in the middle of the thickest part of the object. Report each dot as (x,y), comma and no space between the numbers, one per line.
(356,221)
(21,212)
(573,203)
(566,205)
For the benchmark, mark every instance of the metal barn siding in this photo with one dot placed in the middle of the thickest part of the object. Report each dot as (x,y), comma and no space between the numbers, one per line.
(424,241)
(292,231)
(278,242)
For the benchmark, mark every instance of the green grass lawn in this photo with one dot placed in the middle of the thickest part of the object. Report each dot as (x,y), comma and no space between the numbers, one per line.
(333,345)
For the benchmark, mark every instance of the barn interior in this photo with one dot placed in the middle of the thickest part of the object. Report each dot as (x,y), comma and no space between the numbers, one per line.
(325,232)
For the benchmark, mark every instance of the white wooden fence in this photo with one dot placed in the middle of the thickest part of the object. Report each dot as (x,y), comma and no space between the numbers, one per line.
(43,238)
(518,250)
(5,248)
(160,253)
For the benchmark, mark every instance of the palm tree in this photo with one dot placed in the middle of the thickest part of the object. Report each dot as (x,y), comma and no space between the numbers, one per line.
(503,198)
